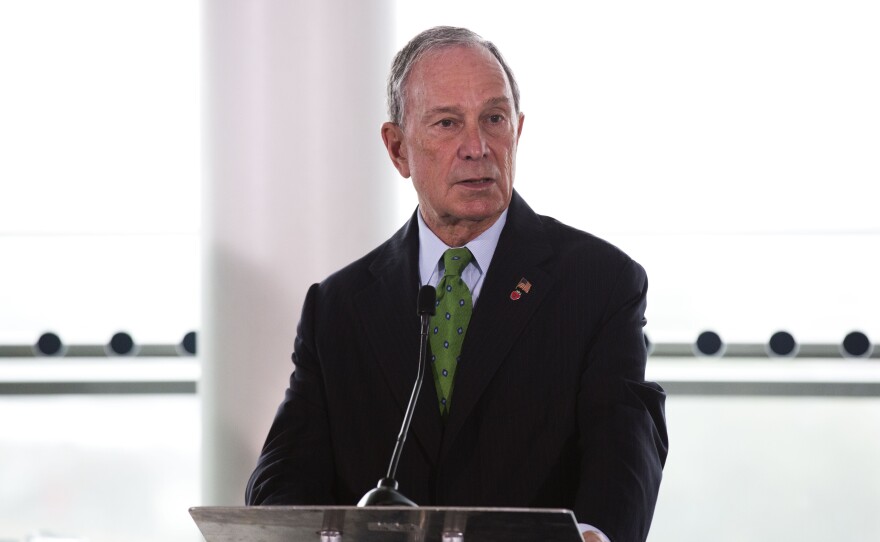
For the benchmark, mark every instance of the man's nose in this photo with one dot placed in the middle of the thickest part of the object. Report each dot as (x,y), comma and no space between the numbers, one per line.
(473,145)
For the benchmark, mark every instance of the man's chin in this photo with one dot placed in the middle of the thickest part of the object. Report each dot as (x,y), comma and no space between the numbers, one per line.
(482,206)
(481,216)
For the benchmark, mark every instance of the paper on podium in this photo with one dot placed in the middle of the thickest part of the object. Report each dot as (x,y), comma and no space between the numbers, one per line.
(384,524)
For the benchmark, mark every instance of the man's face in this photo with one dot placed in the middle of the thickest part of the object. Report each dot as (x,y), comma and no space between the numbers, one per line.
(459,137)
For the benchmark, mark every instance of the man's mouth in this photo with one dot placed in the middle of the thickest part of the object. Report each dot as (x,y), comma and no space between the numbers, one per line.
(479,181)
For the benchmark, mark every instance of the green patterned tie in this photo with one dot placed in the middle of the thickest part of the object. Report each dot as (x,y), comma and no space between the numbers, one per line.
(449,323)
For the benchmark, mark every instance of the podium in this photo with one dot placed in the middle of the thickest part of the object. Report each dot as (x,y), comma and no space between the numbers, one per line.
(384,524)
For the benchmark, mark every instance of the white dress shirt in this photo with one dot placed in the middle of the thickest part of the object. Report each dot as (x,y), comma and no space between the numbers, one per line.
(431,250)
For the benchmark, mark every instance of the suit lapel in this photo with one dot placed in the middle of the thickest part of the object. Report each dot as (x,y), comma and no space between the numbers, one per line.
(498,320)
(387,310)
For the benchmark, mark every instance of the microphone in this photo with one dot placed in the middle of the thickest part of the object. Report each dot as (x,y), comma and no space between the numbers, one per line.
(385,493)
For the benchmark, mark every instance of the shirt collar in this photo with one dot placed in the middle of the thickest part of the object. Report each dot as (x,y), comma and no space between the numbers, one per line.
(431,248)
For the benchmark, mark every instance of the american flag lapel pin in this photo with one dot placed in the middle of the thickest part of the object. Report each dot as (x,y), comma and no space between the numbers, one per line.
(522,288)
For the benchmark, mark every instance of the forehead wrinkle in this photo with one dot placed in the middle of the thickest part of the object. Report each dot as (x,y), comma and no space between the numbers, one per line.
(443,109)
(499,100)
(491,102)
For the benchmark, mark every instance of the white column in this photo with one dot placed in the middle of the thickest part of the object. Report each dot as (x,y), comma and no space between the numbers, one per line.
(297,184)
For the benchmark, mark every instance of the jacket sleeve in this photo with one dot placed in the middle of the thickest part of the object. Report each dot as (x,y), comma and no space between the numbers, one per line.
(623,439)
(296,464)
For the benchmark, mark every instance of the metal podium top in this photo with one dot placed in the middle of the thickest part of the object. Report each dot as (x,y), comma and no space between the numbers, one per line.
(384,524)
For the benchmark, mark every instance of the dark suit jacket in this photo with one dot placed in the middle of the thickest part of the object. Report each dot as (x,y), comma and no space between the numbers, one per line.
(550,406)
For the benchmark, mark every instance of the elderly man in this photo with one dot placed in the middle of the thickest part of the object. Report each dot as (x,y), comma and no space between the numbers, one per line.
(537,356)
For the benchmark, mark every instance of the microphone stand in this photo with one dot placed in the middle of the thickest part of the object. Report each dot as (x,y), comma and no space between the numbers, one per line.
(386,493)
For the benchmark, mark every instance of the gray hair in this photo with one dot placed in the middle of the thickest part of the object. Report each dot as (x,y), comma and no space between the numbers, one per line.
(429,40)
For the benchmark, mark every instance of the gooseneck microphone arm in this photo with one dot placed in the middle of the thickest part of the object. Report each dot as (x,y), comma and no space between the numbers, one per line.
(427,300)
(385,493)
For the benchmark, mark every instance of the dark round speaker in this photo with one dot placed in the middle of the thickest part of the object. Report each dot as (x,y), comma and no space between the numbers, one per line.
(49,344)
(782,343)
(121,344)
(188,344)
(856,344)
(709,343)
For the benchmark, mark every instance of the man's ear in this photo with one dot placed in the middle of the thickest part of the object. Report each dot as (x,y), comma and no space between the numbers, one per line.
(392,136)
(522,118)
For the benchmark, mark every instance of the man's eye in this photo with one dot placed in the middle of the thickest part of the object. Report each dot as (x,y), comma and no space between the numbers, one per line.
(446,123)
(495,119)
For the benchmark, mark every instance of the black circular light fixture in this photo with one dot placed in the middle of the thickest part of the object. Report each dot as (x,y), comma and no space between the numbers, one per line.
(782,344)
(49,344)
(121,344)
(856,345)
(709,343)
(187,346)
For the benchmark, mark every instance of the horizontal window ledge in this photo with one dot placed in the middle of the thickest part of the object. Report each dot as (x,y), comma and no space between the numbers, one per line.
(781,389)
(94,351)
(97,388)
(757,350)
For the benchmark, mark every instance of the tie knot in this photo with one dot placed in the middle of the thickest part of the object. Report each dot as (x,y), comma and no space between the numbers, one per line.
(456,259)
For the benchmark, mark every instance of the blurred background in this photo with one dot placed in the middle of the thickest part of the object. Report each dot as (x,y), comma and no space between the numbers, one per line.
(169,167)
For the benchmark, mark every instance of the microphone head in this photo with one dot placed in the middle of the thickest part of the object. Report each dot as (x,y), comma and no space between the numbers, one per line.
(427,300)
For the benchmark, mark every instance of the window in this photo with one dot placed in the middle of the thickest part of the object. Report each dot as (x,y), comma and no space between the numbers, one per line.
(99,223)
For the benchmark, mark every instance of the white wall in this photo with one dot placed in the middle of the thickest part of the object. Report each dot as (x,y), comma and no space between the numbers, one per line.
(297,184)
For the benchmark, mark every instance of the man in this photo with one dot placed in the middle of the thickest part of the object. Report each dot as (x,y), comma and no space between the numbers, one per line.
(537,352)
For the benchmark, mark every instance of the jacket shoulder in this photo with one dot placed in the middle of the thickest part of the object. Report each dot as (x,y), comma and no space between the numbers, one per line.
(578,246)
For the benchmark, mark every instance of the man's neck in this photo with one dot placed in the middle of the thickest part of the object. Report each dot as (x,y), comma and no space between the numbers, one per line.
(461,232)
